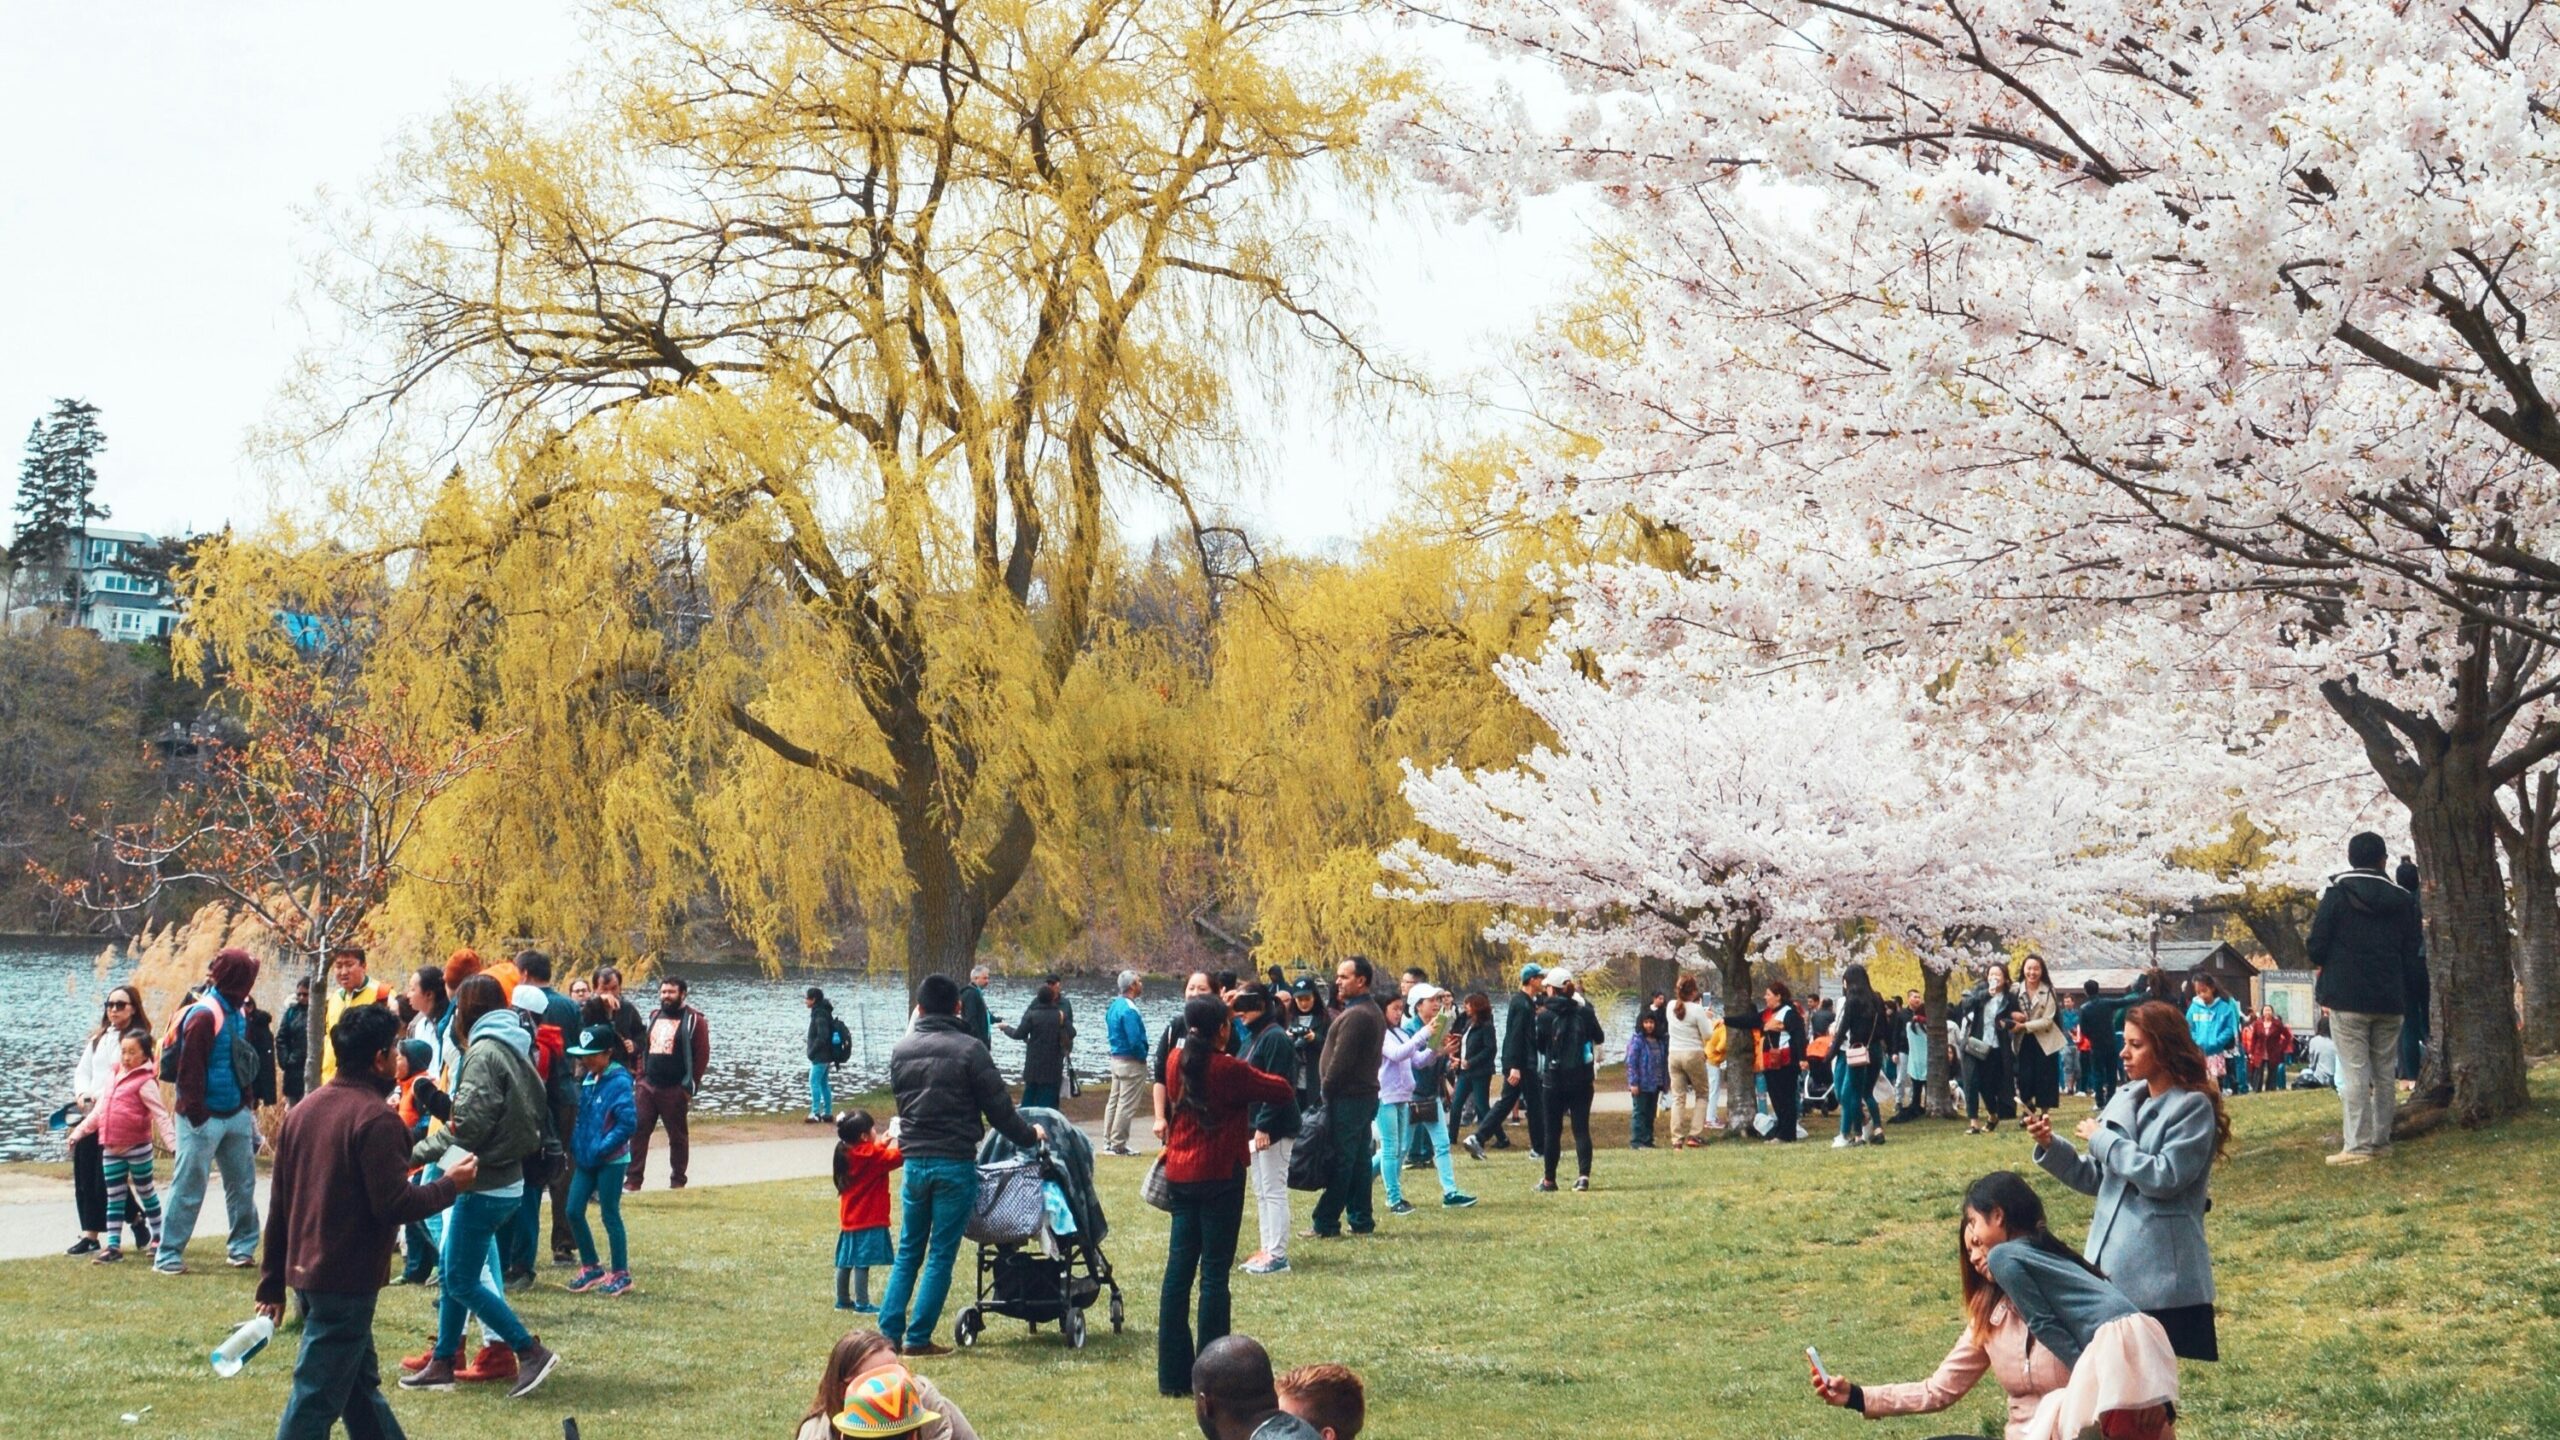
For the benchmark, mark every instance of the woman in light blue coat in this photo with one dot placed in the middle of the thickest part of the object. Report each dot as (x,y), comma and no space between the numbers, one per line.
(2150,1155)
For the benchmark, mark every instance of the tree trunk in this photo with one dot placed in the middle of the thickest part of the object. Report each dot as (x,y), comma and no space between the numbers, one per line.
(315,1019)
(1655,972)
(1941,1099)
(2534,884)
(1732,956)
(949,907)
(2278,934)
(2474,1058)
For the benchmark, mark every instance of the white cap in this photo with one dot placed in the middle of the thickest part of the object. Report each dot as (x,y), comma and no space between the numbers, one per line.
(1425,990)
(1559,977)
(529,997)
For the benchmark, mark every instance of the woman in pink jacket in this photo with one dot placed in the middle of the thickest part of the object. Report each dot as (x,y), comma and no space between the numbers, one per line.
(126,1120)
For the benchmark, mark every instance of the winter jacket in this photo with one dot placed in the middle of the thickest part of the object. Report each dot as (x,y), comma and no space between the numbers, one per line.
(1647,1069)
(862,1184)
(1274,1051)
(207,1081)
(822,1039)
(2215,1023)
(2266,1040)
(341,1191)
(2148,1166)
(499,1104)
(945,1081)
(131,1113)
(2365,938)
(973,1015)
(1352,1047)
(1476,1051)
(1211,1147)
(607,1118)
(1568,1027)
(100,1059)
(371,992)
(1124,1030)
(1042,1031)
(293,1040)
(1520,1033)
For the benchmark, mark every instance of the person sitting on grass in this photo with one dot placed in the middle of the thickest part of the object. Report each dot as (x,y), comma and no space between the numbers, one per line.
(1233,1395)
(1328,1397)
(862,1166)
(865,1391)
(2064,1343)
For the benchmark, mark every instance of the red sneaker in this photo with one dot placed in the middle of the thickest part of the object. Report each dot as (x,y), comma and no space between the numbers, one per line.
(495,1362)
(412,1364)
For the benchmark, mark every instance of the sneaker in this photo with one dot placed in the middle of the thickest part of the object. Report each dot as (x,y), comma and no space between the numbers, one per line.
(865,1307)
(108,1256)
(619,1283)
(1118,1150)
(1474,1146)
(1581,1183)
(2351,1157)
(86,1244)
(1456,1200)
(586,1280)
(1544,1187)
(174,1267)
(926,1351)
(539,1360)
(1839,1142)
(1319,1234)
(239,1262)
(1401,1207)
(1268,1265)
(412,1364)
(435,1374)
(495,1362)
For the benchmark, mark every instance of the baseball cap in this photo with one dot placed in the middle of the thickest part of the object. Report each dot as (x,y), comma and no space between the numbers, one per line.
(1532,971)
(529,997)
(594,1040)
(1559,977)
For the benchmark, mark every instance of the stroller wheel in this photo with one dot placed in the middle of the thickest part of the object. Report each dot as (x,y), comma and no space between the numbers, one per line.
(1073,1326)
(1119,1313)
(967,1327)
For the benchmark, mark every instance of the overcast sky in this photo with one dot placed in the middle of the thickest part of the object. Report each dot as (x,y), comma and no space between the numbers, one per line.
(165,157)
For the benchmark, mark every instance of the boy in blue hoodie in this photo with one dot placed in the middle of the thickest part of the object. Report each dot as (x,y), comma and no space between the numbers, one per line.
(600,1152)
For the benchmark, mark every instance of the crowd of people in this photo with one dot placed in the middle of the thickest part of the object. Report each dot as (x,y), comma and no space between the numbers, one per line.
(452,1105)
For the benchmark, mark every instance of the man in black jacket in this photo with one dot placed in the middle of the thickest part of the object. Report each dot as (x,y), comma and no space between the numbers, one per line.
(822,1055)
(945,1082)
(2364,938)
(1519,1066)
(1349,1068)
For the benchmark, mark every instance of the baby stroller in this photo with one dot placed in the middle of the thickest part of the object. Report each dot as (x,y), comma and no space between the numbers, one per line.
(1039,1227)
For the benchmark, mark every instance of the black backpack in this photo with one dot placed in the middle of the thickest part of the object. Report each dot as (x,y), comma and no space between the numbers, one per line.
(244,1056)
(839,1042)
(1562,1032)
(1311,1163)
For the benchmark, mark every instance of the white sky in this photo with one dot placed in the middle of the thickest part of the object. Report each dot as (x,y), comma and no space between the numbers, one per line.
(163,159)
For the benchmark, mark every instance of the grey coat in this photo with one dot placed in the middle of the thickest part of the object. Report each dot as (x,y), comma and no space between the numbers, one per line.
(2147,1165)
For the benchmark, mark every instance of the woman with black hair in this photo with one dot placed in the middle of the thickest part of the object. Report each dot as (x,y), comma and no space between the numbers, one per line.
(1782,1051)
(1210,1096)
(1857,1047)
(100,1055)
(1043,1033)
(2067,1346)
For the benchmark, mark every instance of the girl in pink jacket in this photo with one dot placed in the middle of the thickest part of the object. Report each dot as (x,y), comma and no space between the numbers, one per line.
(127,1119)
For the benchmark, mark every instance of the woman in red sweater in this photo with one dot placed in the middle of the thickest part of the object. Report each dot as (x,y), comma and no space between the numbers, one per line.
(1209,1097)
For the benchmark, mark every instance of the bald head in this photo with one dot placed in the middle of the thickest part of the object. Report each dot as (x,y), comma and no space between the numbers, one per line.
(1232,1386)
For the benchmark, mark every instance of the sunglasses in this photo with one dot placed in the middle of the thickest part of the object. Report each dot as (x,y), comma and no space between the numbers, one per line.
(119,1004)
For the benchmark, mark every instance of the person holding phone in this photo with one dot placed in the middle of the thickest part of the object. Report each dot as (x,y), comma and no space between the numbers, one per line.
(2034,1310)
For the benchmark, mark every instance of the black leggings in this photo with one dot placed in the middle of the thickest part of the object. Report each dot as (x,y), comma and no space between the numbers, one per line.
(2039,1077)
(1785,1089)
(1568,1093)
(1986,1086)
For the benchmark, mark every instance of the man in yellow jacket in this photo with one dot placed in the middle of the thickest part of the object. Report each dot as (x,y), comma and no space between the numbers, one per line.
(350,986)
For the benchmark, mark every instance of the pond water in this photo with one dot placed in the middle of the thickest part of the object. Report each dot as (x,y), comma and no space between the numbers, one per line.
(50,991)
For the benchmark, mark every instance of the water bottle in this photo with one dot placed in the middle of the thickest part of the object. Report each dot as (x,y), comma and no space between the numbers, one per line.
(246,1341)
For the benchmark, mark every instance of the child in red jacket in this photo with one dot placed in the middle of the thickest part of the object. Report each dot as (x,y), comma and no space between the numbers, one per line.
(862,1208)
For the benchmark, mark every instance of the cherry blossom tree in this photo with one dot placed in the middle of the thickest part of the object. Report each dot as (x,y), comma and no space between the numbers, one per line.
(1950,322)
(1732,812)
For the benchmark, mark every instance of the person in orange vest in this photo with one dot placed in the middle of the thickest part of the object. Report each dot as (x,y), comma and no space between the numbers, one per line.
(350,986)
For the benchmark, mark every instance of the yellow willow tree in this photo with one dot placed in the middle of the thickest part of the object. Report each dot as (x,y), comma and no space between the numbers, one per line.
(819,341)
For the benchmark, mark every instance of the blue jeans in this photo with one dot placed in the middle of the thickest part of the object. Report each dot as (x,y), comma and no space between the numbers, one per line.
(470,1230)
(822,1090)
(227,1143)
(1435,1131)
(1855,1085)
(936,1199)
(602,1184)
(1394,1120)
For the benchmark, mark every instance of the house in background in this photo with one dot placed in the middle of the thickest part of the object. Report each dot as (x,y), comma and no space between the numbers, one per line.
(2178,960)
(114,583)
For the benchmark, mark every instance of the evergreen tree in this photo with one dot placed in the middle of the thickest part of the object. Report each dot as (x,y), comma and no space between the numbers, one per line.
(56,482)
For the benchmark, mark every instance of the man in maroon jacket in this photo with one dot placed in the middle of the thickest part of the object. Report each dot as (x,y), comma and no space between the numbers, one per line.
(215,1072)
(341,1192)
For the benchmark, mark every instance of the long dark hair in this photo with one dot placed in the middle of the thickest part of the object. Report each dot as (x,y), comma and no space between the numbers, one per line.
(1479,1007)
(1204,1023)
(133,1020)
(2174,1050)
(2022,1211)
(478,996)
(852,1128)
(430,983)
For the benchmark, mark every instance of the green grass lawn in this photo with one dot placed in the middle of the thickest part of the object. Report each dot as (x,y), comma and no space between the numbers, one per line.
(2417,1297)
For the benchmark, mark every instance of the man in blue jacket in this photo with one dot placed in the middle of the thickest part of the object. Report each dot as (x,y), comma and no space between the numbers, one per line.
(1124,1033)
(2364,938)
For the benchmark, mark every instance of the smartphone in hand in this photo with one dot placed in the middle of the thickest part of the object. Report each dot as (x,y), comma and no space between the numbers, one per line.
(1816,1357)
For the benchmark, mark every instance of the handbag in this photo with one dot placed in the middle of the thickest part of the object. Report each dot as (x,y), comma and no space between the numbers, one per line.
(1010,1208)
(1157,1190)
(1977,1048)
(1856,1055)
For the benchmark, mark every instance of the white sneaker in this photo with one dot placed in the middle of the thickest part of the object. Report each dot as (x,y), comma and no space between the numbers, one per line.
(1839,1142)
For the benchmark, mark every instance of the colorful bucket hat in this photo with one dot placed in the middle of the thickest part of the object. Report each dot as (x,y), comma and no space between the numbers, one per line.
(883,1402)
